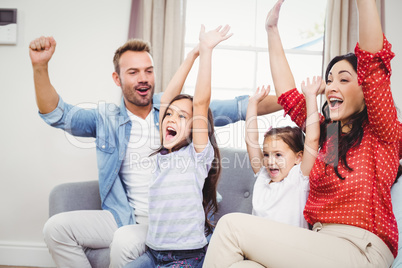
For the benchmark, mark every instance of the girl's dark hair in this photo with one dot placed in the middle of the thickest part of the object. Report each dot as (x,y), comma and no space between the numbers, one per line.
(209,202)
(292,136)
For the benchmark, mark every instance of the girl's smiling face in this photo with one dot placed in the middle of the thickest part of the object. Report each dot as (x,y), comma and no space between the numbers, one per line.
(279,158)
(344,95)
(177,124)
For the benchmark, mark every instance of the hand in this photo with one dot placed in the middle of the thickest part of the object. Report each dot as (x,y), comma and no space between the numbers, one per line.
(41,50)
(210,39)
(314,88)
(322,87)
(259,94)
(273,15)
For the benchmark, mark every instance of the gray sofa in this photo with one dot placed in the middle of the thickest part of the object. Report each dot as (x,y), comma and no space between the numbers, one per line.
(235,186)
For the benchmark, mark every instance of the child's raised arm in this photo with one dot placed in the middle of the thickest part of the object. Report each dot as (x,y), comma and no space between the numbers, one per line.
(253,148)
(175,85)
(202,95)
(311,142)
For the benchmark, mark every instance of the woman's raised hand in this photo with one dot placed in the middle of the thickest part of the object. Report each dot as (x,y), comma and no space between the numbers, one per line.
(273,15)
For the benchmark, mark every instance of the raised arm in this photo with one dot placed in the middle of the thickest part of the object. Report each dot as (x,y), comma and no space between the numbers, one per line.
(253,148)
(374,71)
(268,105)
(175,85)
(41,51)
(202,95)
(370,32)
(281,74)
(311,142)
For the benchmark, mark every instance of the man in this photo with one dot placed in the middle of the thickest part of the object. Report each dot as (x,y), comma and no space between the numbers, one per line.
(125,137)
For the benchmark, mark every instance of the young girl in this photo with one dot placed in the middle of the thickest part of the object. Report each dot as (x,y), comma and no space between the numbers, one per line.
(182,192)
(349,204)
(282,169)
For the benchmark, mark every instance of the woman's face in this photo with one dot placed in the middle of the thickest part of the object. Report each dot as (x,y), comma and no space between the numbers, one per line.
(176,126)
(344,95)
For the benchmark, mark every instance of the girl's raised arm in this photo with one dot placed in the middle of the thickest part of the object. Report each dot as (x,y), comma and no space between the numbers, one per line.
(202,95)
(253,148)
(175,85)
(311,141)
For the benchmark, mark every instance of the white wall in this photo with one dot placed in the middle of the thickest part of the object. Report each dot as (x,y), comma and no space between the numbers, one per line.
(33,156)
(393,23)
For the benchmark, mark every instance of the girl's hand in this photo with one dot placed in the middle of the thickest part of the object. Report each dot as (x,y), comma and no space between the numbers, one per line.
(314,88)
(273,15)
(322,87)
(211,38)
(259,94)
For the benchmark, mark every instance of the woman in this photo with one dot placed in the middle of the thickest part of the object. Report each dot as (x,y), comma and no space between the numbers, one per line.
(349,204)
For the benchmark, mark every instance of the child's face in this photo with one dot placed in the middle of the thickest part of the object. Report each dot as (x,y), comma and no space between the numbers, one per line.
(176,126)
(279,158)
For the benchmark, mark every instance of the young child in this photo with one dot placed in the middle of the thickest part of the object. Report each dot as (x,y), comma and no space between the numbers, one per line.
(283,165)
(182,191)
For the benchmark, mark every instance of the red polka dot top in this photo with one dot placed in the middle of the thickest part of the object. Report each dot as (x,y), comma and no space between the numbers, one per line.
(363,199)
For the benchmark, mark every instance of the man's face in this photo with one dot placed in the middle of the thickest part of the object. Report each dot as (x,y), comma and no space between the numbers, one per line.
(136,79)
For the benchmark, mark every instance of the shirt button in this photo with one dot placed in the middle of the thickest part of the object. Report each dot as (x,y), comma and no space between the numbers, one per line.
(246,194)
(157,124)
(103,146)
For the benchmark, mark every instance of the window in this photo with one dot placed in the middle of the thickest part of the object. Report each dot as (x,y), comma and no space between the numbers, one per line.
(241,63)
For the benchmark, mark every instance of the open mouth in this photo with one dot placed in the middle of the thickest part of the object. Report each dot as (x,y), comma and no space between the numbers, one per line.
(273,171)
(142,90)
(335,102)
(170,133)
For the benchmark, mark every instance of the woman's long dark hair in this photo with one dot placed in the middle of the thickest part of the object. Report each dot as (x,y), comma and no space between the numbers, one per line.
(330,128)
(209,202)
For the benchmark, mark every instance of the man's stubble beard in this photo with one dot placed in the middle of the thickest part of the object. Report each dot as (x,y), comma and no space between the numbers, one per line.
(134,98)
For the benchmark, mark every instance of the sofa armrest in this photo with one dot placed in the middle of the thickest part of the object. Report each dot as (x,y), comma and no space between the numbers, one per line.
(74,196)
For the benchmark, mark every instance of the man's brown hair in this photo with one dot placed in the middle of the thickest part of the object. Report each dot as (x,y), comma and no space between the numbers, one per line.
(137,45)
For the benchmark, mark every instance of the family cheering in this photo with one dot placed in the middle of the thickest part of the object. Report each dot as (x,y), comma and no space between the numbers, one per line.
(322,191)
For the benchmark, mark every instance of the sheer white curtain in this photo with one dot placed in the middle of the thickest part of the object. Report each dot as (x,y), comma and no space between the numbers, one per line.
(162,23)
(341,28)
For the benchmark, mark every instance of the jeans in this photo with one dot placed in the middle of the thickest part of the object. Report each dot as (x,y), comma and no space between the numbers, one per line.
(170,258)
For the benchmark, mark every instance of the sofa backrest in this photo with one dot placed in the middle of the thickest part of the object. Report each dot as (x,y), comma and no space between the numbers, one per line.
(235,186)
(236,182)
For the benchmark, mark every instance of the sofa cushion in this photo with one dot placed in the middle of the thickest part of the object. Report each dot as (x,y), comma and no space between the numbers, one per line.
(236,182)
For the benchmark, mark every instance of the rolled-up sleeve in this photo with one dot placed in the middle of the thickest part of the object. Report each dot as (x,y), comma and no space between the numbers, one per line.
(229,111)
(55,115)
(74,119)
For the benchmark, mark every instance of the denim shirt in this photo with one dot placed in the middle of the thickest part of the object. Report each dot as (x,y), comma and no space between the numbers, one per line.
(111,126)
